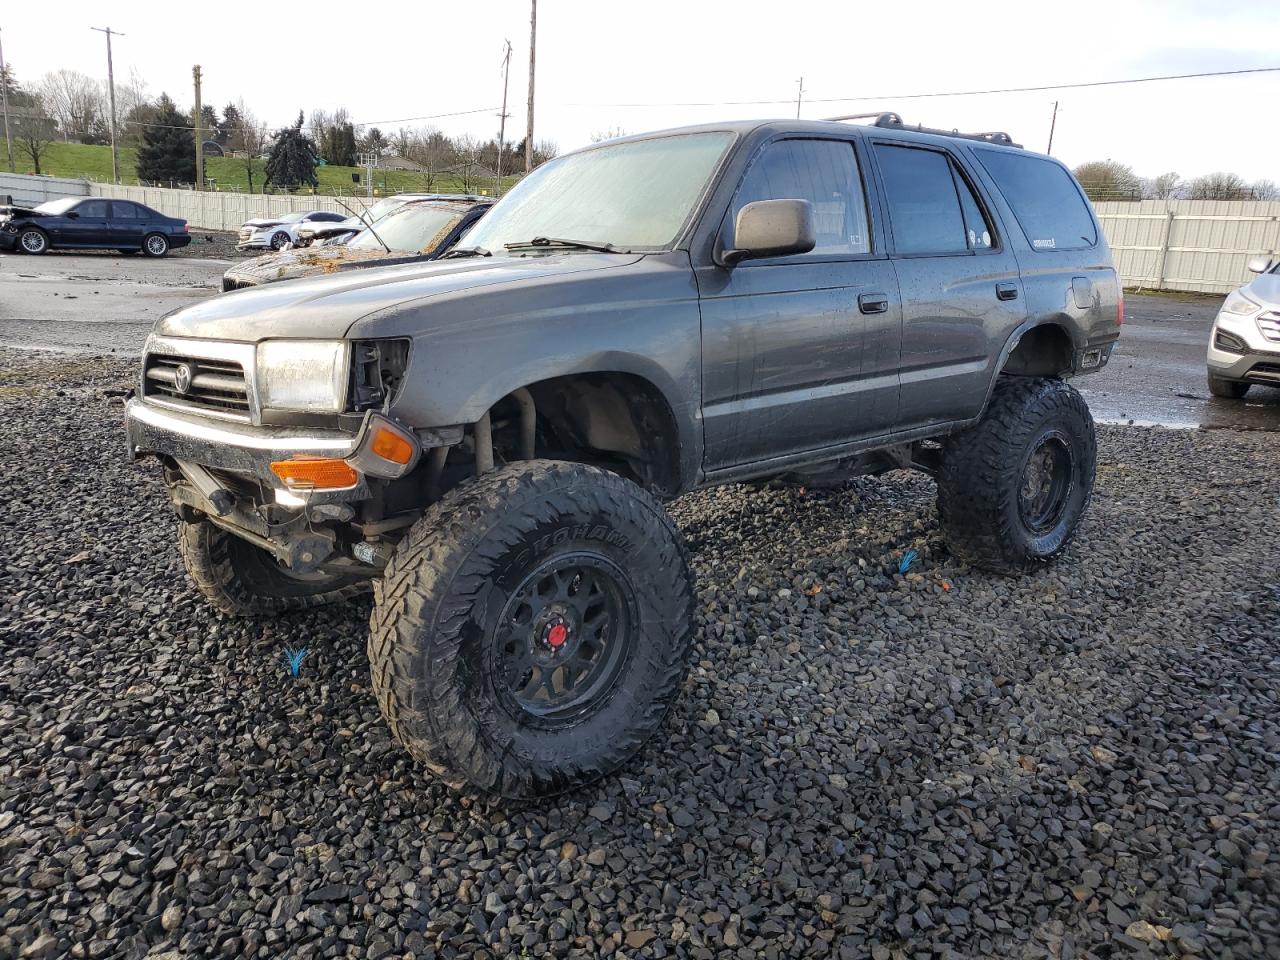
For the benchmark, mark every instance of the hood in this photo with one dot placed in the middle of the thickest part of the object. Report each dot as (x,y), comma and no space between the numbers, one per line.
(327,306)
(261,222)
(312,262)
(16,211)
(1265,289)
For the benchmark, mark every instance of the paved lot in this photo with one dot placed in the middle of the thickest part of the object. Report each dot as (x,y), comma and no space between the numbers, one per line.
(106,304)
(1080,763)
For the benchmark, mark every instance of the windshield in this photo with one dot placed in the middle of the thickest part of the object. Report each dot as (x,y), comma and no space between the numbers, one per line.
(382,208)
(58,206)
(637,194)
(289,218)
(418,228)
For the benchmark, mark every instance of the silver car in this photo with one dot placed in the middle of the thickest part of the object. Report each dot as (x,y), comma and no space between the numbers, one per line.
(1244,345)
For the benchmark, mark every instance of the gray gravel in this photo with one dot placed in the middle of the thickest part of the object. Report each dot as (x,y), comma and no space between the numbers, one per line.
(1080,763)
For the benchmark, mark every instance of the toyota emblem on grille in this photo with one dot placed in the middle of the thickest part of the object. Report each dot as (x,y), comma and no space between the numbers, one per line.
(182,378)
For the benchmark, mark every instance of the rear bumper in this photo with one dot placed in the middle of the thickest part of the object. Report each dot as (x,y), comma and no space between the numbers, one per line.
(177,240)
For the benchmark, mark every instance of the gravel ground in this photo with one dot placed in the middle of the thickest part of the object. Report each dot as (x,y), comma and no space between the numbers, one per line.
(1084,762)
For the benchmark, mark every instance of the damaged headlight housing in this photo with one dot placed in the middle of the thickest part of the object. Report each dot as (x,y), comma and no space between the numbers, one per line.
(304,375)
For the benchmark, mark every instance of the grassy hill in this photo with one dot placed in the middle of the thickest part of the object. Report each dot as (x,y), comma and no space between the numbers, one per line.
(90,162)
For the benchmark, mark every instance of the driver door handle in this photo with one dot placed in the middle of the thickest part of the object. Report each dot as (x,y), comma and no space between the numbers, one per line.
(873,303)
(1006,291)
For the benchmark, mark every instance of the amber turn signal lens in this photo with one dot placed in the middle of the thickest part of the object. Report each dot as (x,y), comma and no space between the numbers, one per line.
(315,473)
(389,445)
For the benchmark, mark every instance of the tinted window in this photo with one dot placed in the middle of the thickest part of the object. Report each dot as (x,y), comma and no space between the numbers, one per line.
(322,217)
(1045,200)
(824,172)
(93,208)
(125,211)
(924,206)
(977,227)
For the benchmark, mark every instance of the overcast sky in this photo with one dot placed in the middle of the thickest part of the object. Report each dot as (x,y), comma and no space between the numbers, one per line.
(596,59)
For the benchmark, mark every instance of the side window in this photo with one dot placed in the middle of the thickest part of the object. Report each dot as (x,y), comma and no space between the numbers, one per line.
(1045,200)
(824,172)
(125,211)
(96,209)
(932,209)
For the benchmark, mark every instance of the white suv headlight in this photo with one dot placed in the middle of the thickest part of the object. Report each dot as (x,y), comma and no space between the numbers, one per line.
(1240,305)
(306,375)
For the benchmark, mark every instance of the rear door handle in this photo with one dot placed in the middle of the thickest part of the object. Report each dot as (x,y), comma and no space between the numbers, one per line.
(873,303)
(1006,291)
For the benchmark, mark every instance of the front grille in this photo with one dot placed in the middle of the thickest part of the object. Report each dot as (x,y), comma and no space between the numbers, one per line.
(1269,324)
(228,284)
(216,386)
(246,233)
(1265,371)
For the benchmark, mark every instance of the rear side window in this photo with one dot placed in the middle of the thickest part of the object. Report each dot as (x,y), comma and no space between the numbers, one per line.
(125,211)
(1045,200)
(931,207)
(824,172)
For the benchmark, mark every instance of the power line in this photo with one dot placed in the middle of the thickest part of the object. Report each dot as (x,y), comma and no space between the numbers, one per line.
(433,116)
(944,93)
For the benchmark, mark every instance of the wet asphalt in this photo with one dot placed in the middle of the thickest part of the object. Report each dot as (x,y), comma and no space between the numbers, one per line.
(104,303)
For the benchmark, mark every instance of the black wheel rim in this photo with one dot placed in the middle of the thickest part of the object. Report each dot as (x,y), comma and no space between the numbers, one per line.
(563,639)
(1046,482)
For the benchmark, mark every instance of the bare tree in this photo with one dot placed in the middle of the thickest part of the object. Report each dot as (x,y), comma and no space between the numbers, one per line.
(76,102)
(612,133)
(1167,186)
(1218,186)
(32,133)
(1264,190)
(1109,180)
(248,137)
(467,159)
(434,153)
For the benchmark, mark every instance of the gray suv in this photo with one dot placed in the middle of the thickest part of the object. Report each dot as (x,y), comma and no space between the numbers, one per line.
(487,440)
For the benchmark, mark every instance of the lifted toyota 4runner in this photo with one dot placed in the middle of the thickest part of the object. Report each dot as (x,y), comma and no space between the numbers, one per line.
(487,439)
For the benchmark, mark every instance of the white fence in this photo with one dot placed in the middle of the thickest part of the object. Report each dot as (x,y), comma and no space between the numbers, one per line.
(1199,245)
(223,211)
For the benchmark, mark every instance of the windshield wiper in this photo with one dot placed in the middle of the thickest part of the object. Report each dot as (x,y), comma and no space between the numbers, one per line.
(557,242)
(460,252)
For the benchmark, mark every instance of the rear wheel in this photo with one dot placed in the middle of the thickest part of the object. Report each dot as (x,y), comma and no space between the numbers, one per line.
(33,240)
(243,580)
(532,630)
(155,245)
(1012,489)
(1227,389)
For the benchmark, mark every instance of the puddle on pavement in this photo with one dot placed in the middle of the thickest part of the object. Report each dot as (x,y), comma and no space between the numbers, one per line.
(1262,414)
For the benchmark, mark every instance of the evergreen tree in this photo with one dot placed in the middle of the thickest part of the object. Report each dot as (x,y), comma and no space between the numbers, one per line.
(339,146)
(293,159)
(208,122)
(168,150)
(230,123)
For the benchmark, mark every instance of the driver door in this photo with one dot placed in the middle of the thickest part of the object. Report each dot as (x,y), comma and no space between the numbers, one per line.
(89,226)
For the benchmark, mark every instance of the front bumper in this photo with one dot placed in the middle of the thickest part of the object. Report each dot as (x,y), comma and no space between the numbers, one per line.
(257,241)
(1257,362)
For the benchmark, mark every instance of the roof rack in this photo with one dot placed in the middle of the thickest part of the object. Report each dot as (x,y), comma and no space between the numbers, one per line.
(892,121)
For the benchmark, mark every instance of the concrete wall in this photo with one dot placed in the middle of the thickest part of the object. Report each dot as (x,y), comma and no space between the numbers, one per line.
(28,190)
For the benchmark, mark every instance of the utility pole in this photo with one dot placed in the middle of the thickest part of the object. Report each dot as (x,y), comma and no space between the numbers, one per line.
(533,46)
(1052,124)
(195,75)
(111,89)
(502,121)
(4,99)
(799,96)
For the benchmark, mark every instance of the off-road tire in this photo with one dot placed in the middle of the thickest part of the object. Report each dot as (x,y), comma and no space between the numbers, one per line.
(980,483)
(242,580)
(27,238)
(1227,389)
(439,620)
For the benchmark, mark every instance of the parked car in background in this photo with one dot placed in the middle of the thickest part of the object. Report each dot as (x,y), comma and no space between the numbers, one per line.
(91,223)
(1244,344)
(274,232)
(419,230)
(314,231)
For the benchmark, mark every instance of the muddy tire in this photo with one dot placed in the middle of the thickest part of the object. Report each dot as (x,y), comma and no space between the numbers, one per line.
(533,629)
(242,580)
(1227,389)
(1013,487)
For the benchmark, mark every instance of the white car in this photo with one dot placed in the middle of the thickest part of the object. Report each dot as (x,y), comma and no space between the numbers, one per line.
(1244,344)
(273,233)
(314,232)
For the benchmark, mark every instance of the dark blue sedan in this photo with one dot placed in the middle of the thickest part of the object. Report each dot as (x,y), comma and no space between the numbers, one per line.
(91,223)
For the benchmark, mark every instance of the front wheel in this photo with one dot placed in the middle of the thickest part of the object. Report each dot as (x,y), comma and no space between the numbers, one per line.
(155,245)
(1227,389)
(1012,488)
(532,630)
(33,241)
(279,239)
(243,580)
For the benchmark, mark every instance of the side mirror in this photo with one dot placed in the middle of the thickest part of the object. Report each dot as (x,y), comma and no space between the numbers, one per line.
(1259,264)
(72,215)
(771,228)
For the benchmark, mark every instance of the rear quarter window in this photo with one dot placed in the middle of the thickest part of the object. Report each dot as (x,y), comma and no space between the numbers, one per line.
(1048,205)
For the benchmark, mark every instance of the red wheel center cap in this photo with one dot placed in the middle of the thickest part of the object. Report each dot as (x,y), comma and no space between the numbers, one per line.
(557,635)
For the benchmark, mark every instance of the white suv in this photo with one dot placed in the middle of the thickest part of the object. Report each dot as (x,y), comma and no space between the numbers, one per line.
(1244,345)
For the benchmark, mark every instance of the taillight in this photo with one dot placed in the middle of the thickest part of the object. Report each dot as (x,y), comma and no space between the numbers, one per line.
(1119,303)
(183,228)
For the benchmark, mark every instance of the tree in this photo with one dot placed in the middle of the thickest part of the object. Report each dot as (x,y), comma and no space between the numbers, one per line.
(76,102)
(227,128)
(433,152)
(610,134)
(374,141)
(339,144)
(1167,186)
(246,136)
(467,159)
(32,133)
(1218,186)
(168,152)
(1264,190)
(1109,180)
(208,122)
(293,159)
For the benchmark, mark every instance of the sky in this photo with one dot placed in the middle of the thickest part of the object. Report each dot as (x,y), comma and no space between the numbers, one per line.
(597,60)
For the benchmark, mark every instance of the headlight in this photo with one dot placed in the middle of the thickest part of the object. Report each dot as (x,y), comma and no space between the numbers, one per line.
(1240,305)
(303,375)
